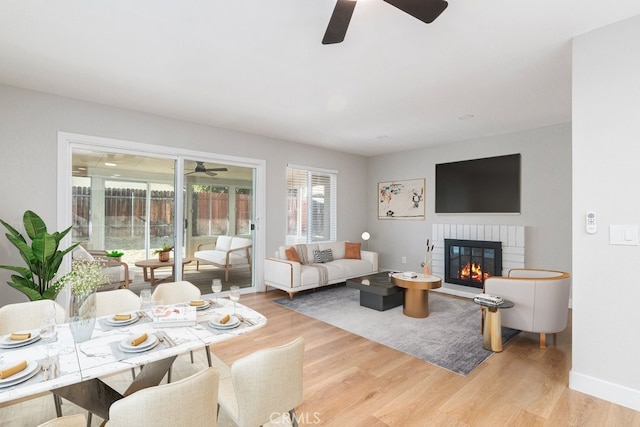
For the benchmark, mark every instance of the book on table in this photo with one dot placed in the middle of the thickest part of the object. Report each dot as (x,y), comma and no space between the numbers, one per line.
(488,299)
(175,316)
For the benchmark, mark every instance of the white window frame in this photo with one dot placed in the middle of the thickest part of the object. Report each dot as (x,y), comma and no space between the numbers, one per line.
(332,210)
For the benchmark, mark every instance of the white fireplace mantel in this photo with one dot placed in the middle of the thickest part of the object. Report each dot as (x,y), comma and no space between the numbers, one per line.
(511,237)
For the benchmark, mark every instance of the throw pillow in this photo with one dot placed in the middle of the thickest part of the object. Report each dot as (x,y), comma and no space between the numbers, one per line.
(292,254)
(320,257)
(351,250)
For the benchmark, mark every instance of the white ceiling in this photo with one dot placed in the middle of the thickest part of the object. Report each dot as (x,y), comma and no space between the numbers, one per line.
(258,66)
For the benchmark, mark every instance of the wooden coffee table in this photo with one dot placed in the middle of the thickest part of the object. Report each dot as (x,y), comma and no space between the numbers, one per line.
(154,263)
(416,294)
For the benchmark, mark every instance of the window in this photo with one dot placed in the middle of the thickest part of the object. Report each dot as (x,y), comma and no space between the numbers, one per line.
(311,205)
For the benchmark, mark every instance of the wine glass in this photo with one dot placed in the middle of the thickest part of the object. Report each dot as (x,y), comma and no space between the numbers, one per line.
(48,329)
(216,286)
(234,295)
(145,299)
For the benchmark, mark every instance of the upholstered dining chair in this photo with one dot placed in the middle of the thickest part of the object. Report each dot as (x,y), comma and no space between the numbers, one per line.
(13,317)
(263,385)
(77,420)
(190,402)
(540,298)
(175,292)
(116,301)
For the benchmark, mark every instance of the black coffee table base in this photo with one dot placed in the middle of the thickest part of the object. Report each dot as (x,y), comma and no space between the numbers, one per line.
(377,291)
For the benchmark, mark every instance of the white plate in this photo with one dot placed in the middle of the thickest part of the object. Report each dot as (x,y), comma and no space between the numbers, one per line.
(205,306)
(31,369)
(149,343)
(233,322)
(7,342)
(111,322)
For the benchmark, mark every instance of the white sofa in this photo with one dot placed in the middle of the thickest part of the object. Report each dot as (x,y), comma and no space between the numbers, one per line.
(540,297)
(293,276)
(227,252)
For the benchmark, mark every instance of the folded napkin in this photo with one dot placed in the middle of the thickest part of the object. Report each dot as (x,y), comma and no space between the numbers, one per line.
(20,337)
(225,319)
(139,340)
(197,302)
(122,317)
(6,373)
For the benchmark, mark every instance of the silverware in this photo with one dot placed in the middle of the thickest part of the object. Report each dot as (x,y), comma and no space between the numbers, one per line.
(242,319)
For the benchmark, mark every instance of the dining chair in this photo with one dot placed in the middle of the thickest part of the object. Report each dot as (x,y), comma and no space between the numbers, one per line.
(28,315)
(175,292)
(77,420)
(116,301)
(189,402)
(263,386)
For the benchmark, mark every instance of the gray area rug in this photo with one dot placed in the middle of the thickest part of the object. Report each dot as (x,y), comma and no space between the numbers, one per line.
(450,337)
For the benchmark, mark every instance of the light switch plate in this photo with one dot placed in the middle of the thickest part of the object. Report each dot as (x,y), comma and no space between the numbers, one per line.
(624,235)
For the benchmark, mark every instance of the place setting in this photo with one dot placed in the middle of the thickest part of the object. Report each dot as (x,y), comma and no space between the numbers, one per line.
(19,339)
(122,319)
(12,373)
(138,343)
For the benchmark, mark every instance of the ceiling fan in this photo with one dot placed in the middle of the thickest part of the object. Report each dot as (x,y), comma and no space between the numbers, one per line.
(425,10)
(200,167)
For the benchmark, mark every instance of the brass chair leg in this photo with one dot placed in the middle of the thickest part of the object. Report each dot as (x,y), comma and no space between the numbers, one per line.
(543,340)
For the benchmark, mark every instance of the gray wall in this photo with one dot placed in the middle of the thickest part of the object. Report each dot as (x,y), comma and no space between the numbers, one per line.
(545,204)
(29,134)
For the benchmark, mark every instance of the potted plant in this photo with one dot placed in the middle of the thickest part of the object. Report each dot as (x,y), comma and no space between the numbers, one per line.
(115,255)
(164,252)
(42,257)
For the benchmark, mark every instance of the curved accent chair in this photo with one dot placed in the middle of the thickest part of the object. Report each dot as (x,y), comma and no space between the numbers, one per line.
(540,298)
(116,301)
(263,386)
(189,402)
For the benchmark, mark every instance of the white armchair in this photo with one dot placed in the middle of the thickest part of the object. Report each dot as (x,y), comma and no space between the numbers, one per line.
(540,297)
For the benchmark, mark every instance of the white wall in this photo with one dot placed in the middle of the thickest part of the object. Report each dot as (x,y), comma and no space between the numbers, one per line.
(546,197)
(606,153)
(30,122)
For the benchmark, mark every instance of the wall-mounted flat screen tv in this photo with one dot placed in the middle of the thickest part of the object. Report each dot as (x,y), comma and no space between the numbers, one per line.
(489,185)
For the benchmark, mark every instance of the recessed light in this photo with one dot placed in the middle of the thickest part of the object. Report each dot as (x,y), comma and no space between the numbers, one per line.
(82,169)
(466,117)
(110,164)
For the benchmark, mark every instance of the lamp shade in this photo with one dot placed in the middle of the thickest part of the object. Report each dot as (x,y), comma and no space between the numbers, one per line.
(366,236)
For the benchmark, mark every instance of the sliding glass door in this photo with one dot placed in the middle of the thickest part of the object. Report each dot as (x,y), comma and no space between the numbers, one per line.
(127,202)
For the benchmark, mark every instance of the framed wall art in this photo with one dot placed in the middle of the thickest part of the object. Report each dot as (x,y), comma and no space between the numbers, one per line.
(403,199)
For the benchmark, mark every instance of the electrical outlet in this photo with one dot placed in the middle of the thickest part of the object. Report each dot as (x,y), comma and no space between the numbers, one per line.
(404,259)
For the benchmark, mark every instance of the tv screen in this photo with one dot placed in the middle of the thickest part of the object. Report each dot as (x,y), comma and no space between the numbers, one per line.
(489,185)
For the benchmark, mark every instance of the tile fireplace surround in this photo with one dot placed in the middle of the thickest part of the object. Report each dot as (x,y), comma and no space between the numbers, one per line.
(513,248)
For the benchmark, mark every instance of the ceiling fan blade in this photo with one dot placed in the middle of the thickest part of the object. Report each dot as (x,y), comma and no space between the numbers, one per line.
(216,169)
(425,10)
(339,22)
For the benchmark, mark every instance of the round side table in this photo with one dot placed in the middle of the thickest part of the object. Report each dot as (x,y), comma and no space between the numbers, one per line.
(492,332)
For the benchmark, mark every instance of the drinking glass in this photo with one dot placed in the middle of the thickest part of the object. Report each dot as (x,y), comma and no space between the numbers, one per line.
(234,295)
(145,299)
(216,286)
(48,329)
(156,311)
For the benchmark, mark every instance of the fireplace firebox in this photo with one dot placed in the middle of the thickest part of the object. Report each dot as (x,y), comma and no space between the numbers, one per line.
(470,262)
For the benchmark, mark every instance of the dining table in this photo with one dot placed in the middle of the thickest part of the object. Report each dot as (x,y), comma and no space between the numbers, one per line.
(73,370)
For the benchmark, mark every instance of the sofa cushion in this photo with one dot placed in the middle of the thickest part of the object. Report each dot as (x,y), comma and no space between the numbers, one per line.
(351,250)
(322,256)
(239,242)
(292,254)
(82,254)
(337,248)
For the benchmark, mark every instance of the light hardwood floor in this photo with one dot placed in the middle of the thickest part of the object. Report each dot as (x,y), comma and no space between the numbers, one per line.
(351,381)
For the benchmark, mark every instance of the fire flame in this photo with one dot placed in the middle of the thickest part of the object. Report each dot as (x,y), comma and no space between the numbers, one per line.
(474,272)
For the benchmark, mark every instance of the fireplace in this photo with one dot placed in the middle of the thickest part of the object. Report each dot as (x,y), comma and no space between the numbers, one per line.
(470,262)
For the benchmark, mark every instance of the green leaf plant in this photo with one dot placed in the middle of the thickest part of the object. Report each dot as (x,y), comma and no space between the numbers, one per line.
(42,257)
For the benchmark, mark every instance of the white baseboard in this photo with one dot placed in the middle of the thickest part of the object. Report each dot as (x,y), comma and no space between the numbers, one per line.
(605,390)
